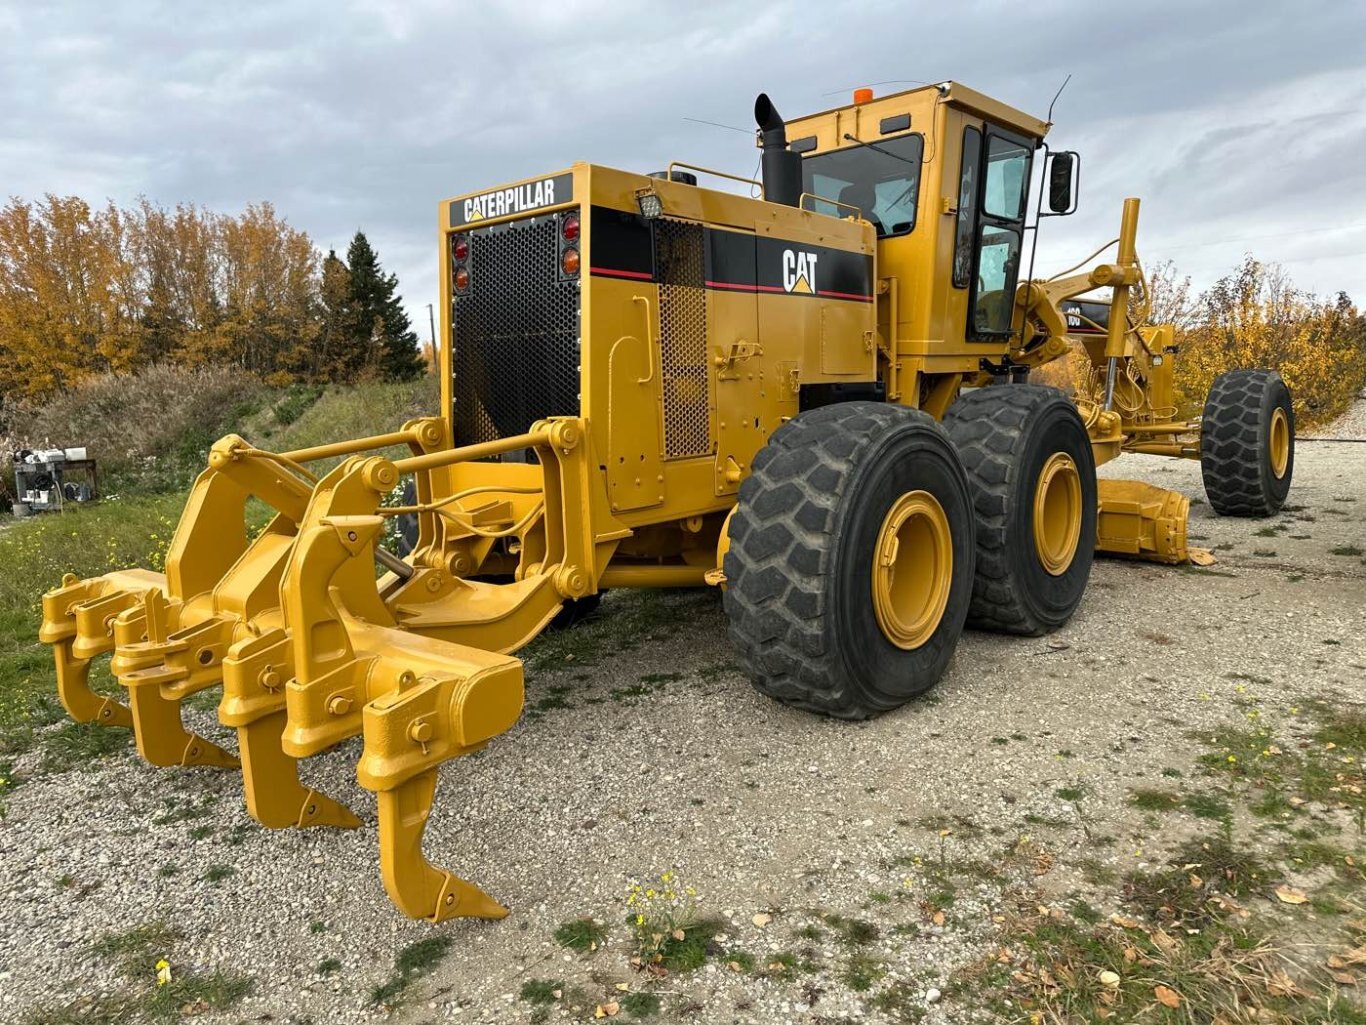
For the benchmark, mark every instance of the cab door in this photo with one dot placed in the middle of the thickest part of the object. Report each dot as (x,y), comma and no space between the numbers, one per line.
(994,193)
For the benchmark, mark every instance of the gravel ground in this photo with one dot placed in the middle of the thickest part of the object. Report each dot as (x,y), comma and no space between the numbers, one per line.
(662,757)
(1352,424)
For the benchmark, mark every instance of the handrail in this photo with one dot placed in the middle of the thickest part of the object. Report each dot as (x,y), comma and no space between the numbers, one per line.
(858,211)
(718,174)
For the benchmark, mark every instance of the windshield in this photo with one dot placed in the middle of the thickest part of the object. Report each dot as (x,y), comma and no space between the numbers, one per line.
(884,183)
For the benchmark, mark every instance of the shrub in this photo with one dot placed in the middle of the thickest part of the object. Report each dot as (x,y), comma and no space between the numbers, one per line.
(1253,317)
(155,426)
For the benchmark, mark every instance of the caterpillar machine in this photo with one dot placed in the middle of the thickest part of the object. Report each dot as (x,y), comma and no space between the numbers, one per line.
(816,399)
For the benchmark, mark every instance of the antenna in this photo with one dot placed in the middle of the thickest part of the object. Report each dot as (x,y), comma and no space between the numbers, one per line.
(1056,95)
(717,124)
(890,81)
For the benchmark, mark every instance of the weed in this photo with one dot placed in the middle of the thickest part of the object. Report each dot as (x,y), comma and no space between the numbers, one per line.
(329,965)
(217,873)
(1083,911)
(1071,793)
(851,932)
(413,962)
(135,951)
(212,991)
(1201,869)
(640,1005)
(541,992)
(1146,799)
(861,971)
(581,934)
(1348,550)
(1207,806)
(75,744)
(1264,553)
(739,960)
(668,930)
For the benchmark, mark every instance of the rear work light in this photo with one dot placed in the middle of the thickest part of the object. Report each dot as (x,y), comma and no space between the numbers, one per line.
(569,261)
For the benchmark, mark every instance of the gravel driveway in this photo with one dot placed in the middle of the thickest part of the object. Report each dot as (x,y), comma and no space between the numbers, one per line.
(662,758)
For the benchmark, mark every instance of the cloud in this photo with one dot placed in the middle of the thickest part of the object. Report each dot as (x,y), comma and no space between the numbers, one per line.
(1241,128)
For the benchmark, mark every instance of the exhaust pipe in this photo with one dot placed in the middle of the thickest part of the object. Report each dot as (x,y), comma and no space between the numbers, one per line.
(782,169)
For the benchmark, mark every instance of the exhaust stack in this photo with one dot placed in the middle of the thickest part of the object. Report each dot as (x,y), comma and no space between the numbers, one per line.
(782,169)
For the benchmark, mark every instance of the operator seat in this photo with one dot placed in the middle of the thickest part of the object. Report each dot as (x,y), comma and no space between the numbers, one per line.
(863,196)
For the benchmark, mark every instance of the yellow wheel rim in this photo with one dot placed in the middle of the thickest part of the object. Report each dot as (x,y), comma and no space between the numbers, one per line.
(1280,442)
(912,569)
(1057,513)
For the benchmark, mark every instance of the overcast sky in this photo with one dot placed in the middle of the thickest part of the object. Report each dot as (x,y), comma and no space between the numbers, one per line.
(1242,125)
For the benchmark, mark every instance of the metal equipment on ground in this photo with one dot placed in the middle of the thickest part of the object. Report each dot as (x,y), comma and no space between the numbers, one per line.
(817,400)
(46,480)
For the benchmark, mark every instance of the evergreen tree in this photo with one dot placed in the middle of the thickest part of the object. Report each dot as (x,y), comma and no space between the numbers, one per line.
(380,315)
(343,349)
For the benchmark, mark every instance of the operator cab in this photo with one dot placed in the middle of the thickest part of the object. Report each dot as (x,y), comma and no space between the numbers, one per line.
(942,174)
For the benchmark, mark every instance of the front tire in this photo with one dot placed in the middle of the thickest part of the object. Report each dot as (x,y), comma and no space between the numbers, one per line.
(1247,443)
(1033,477)
(851,559)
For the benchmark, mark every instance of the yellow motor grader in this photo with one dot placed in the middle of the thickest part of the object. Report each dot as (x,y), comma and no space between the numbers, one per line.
(817,400)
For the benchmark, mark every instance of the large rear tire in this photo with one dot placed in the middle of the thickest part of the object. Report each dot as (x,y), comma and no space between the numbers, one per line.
(1033,478)
(1247,443)
(851,558)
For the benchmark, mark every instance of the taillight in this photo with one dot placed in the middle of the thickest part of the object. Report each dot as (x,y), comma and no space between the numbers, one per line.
(462,279)
(569,228)
(460,247)
(569,261)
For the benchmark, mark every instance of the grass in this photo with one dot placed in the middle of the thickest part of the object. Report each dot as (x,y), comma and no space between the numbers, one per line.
(413,962)
(1348,550)
(541,992)
(861,970)
(135,953)
(640,1005)
(581,934)
(630,619)
(1201,805)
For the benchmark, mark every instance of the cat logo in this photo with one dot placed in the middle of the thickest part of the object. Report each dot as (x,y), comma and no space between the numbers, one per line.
(799,272)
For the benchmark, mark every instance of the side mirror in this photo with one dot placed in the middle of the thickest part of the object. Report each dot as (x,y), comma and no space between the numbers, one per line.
(1062,168)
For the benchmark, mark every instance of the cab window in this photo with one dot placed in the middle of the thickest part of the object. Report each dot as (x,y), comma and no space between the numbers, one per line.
(966,227)
(995,225)
(1007,167)
(881,179)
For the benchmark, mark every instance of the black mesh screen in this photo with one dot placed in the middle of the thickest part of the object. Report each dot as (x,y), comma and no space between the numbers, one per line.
(515,333)
(680,266)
